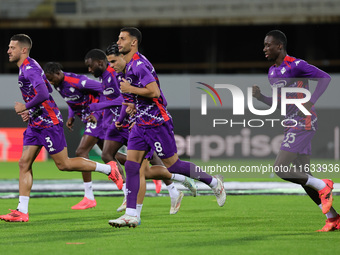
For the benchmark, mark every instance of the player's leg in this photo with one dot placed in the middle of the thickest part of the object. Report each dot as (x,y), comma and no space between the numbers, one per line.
(302,163)
(114,140)
(333,218)
(86,144)
(110,149)
(78,164)
(175,165)
(29,154)
(160,172)
(53,139)
(156,161)
(121,157)
(185,181)
(161,140)
(299,176)
(142,189)
(110,153)
(283,169)
(132,168)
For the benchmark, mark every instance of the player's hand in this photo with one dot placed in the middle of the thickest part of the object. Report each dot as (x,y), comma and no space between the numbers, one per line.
(256,92)
(24,115)
(131,109)
(131,126)
(118,125)
(308,107)
(125,86)
(69,124)
(91,119)
(19,107)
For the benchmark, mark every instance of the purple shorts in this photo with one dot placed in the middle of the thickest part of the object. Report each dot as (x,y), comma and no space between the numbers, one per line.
(95,129)
(298,141)
(52,138)
(113,134)
(159,139)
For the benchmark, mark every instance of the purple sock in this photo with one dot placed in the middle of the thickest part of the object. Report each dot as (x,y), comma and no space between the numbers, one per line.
(132,183)
(191,170)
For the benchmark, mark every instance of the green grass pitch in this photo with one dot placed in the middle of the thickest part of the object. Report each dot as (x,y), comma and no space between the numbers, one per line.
(245,225)
(248,224)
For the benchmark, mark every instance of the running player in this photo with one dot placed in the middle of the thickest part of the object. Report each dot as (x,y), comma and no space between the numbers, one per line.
(289,71)
(96,61)
(79,92)
(153,130)
(45,127)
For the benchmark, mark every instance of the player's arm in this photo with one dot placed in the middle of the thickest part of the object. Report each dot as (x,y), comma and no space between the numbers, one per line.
(70,119)
(40,88)
(305,70)
(40,96)
(149,87)
(151,90)
(323,81)
(91,85)
(106,104)
(259,96)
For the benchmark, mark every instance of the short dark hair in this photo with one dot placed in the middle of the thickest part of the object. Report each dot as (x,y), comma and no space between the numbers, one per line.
(279,36)
(22,38)
(52,68)
(112,49)
(133,32)
(95,54)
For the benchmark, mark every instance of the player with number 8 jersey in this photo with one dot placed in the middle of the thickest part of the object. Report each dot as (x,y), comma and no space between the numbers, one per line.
(153,130)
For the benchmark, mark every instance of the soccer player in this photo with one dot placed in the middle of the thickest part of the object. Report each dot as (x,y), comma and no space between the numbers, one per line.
(45,126)
(96,61)
(80,92)
(153,130)
(291,72)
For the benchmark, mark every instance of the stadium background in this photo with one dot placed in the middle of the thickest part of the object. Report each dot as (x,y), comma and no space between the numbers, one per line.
(187,41)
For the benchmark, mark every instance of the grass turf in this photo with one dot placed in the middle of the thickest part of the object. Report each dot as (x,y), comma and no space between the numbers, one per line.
(245,225)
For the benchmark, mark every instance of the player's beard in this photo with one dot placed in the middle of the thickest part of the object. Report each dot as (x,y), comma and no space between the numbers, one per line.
(97,73)
(124,51)
(14,59)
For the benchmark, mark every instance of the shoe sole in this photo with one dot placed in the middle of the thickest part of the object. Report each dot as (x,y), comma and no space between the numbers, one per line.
(83,208)
(116,225)
(15,220)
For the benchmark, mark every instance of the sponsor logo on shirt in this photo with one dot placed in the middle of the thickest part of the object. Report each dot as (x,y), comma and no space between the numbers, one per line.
(83,83)
(283,70)
(71,98)
(139,63)
(280,84)
(72,89)
(297,62)
(129,80)
(108,91)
